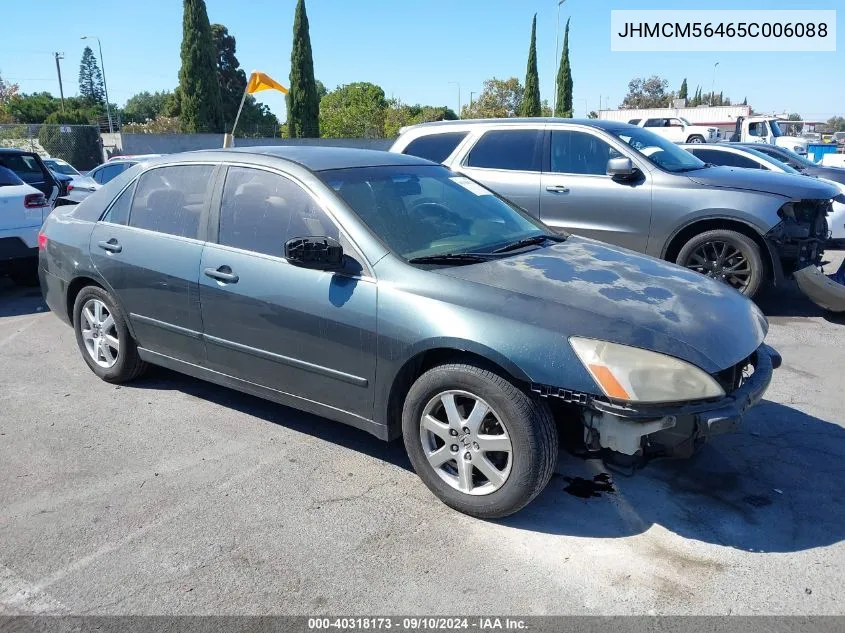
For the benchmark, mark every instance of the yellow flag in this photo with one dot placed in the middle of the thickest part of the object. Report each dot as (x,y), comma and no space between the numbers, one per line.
(262,81)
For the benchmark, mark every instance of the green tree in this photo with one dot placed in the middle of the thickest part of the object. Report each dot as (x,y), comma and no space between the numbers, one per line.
(91,87)
(647,93)
(836,124)
(500,98)
(303,102)
(32,108)
(146,106)
(322,91)
(593,115)
(256,119)
(682,93)
(531,101)
(563,108)
(199,89)
(356,110)
(398,116)
(745,101)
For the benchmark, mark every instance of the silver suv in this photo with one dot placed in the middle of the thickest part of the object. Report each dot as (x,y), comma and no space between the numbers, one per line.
(625,185)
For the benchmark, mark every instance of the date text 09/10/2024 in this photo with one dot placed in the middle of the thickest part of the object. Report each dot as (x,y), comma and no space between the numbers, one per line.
(417,623)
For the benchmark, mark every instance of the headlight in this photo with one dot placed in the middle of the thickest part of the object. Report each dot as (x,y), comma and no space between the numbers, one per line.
(637,375)
(787,212)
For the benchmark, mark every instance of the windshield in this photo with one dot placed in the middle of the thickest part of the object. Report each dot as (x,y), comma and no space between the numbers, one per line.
(658,151)
(776,131)
(61,167)
(421,211)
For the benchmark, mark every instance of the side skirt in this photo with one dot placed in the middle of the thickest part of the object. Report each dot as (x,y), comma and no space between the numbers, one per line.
(274,395)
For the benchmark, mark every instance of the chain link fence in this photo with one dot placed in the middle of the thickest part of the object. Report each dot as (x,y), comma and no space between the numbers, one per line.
(80,145)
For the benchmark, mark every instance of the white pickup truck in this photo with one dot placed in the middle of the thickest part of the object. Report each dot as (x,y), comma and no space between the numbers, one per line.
(678,130)
(765,129)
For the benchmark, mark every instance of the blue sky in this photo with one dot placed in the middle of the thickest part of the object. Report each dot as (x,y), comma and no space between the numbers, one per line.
(414,49)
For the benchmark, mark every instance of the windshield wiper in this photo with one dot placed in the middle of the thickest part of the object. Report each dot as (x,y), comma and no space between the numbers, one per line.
(451,258)
(528,241)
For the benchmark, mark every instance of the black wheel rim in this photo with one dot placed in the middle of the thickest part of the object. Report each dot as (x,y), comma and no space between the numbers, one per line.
(722,261)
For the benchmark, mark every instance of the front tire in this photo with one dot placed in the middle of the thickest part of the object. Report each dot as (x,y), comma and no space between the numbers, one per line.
(695,138)
(480,443)
(103,337)
(727,256)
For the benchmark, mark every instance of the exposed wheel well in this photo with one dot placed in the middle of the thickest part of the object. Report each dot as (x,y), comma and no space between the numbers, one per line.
(421,363)
(74,288)
(688,232)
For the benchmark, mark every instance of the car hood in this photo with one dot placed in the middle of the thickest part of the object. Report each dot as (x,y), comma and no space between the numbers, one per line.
(787,185)
(836,174)
(602,291)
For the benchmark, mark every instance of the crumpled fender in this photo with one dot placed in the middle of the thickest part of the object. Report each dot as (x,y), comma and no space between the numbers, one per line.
(826,291)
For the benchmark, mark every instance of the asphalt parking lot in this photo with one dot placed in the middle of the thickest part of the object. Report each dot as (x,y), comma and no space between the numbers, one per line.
(172,496)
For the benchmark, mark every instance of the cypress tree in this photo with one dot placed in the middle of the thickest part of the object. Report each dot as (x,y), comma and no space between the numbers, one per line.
(199,87)
(563,108)
(531,102)
(682,93)
(302,100)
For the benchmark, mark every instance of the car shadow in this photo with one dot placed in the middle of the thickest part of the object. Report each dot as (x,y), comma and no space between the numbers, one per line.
(787,303)
(776,486)
(19,301)
(159,378)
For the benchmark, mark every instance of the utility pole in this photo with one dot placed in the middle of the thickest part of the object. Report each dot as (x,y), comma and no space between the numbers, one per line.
(59,56)
(713,85)
(459,96)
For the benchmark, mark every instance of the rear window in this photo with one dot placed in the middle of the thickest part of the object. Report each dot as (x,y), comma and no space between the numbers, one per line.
(515,150)
(435,147)
(25,167)
(8,178)
(171,199)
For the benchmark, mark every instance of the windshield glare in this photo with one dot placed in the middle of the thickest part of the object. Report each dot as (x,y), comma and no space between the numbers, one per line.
(62,168)
(420,211)
(658,151)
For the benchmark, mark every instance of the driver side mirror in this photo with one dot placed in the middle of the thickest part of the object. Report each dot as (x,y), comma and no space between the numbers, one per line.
(621,167)
(317,252)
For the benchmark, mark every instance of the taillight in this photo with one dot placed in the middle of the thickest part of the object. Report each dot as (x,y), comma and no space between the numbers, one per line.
(35,201)
(69,188)
(42,241)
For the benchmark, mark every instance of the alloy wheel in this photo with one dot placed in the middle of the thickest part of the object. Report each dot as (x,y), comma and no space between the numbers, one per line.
(466,443)
(721,261)
(99,333)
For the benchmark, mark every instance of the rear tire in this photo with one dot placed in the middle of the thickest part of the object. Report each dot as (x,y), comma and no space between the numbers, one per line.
(118,363)
(725,255)
(514,422)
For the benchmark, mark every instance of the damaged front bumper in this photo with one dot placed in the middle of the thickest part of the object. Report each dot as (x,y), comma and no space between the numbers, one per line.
(676,430)
(798,240)
(826,291)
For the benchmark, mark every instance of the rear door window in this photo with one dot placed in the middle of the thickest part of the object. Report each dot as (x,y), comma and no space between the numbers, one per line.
(25,167)
(435,147)
(513,150)
(655,122)
(261,210)
(171,199)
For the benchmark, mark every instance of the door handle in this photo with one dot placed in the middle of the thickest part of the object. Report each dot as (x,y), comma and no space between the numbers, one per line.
(557,189)
(223,273)
(111,245)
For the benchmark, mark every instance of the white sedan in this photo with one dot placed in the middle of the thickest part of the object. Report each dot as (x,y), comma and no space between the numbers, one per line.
(80,186)
(23,210)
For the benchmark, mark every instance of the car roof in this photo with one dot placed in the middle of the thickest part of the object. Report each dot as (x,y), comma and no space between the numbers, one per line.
(596,123)
(312,157)
(14,150)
